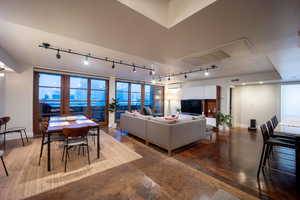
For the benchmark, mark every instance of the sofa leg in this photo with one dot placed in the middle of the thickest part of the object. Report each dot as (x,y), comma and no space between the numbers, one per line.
(169,152)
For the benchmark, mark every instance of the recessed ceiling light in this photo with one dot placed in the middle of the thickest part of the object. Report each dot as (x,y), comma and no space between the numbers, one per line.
(261,82)
(243,83)
(153,81)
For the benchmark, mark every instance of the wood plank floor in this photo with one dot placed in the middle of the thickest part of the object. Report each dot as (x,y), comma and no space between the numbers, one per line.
(149,174)
(233,157)
(27,178)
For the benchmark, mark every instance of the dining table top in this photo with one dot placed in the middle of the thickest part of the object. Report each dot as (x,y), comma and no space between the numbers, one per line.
(58,123)
(289,127)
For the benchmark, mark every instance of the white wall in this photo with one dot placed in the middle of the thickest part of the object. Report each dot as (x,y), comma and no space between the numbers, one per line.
(2,95)
(19,99)
(260,102)
(225,84)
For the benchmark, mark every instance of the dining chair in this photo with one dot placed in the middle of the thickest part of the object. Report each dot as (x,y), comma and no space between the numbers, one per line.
(4,130)
(268,143)
(55,137)
(93,131)
(1,156)
(75,137)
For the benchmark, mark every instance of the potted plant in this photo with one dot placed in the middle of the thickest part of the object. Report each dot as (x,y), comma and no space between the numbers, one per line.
(112,106)
(112,109)
(224,121)
(178,110)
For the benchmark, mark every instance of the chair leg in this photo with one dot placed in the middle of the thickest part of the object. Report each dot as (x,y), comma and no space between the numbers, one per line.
(4,166)
(66,159)
(261,160)
(26,135)
(22,137)
(62,158)
(41,153)
(266,155)
(4,141)
(88,150)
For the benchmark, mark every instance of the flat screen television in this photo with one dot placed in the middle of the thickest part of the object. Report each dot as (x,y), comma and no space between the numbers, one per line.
(191,106)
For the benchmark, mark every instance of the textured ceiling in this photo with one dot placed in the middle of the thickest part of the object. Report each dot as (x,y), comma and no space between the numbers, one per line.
(109,27)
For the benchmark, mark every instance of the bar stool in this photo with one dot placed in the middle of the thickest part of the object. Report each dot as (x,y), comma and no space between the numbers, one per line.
(269,142)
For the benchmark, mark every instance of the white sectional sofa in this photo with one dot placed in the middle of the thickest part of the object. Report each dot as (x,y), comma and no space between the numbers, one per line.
(167,134)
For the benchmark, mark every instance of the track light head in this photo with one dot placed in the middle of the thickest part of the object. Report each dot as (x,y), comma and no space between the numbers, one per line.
(169,78)
(150,72)
(206,73)
(134,69)
(113,65)
(185,76)
(86,61)
(58,56)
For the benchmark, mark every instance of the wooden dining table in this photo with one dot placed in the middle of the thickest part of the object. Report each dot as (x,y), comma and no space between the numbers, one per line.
(292,128)
(58,123)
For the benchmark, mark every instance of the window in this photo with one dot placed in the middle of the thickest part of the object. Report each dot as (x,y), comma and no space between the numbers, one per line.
(136,97)
(290,98)
(130,97)
(78,95)
(98,99)
(56,94)
(158,100)
(49,94)
(122,94)
(149,96)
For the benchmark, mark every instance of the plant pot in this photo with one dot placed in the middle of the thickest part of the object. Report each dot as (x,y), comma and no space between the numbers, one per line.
(223,128)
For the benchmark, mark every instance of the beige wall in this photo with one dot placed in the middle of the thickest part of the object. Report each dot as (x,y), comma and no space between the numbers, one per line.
(258,102)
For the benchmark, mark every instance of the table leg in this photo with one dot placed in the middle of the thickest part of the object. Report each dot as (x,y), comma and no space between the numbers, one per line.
(98,142)
(49,153)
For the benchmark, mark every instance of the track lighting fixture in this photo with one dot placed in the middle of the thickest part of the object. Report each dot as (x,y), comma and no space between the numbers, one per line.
(134,69)
(113,65)
(185,76)
(169,78)
(58,56)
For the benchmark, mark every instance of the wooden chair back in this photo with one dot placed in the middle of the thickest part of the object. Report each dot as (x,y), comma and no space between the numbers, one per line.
(5,120)
(270,128)
(76,132)
(264,132)
(43,127)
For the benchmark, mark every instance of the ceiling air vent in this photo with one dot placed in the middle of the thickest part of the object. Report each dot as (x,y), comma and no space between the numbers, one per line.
(212,57)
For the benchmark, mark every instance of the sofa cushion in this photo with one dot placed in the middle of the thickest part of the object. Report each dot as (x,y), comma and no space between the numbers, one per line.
(162,120)
(147,110)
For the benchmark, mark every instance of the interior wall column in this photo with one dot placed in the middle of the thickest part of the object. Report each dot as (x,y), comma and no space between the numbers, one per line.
(111,95)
